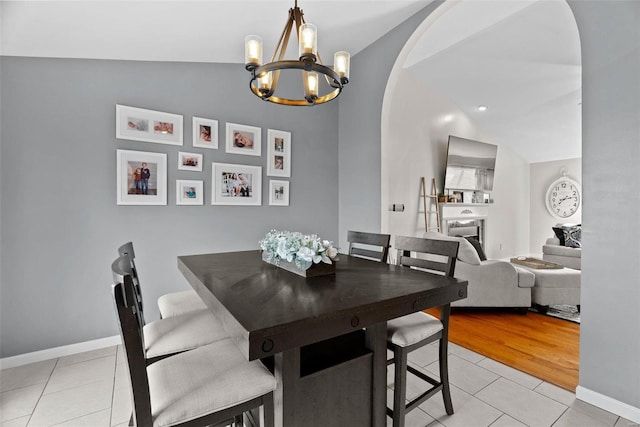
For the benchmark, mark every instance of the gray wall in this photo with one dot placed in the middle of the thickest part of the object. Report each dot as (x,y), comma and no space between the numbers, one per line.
(610,330)
(610,39)
(360,116)
(60,223)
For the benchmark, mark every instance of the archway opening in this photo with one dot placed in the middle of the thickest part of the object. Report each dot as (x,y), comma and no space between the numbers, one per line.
(522,60)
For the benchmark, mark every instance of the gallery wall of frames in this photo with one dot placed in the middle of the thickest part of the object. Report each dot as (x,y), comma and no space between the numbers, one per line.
(142,176)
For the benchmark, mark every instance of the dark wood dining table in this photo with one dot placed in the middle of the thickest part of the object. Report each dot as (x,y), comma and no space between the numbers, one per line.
(324,337)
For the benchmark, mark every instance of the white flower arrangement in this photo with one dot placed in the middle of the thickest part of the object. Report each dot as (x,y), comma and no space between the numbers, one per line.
(292,246)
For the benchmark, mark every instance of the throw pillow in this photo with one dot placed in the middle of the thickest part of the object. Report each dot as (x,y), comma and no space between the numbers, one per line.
(573,237)
(478,247)
(559,231)
(466,252)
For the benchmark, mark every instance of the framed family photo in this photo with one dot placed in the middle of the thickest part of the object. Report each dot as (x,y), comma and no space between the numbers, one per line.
(190,161)
(242,139)
(141,178)
(236,184)
(278,193)
(189,192)
(278,153)
(138,124)
(205,133)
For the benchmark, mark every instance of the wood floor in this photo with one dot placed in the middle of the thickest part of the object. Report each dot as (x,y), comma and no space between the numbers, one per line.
(542,346)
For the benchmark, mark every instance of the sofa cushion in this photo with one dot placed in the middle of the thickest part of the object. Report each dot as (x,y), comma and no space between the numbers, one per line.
(466,252)
(478,247)
(526,278)
(562,251)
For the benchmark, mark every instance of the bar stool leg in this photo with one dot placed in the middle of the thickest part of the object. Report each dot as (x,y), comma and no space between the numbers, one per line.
(400,356)
(444,376)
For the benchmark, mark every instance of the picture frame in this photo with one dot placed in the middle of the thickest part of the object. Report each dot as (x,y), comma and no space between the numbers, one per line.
(278,153)
(189,192)
(243,139)
(205,133)
(138,124)
(133,188)
(233,184)
(189,161)
(278,193)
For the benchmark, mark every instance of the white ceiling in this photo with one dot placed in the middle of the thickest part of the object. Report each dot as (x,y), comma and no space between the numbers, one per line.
(522,60)
(519,57)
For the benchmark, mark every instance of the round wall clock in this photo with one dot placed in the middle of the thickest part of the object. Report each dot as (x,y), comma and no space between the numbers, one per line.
(563,197)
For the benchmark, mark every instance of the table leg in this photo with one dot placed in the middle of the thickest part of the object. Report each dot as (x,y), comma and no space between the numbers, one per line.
(287,372)
(376,340)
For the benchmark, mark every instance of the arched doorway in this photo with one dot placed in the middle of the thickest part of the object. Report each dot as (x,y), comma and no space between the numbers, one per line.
(486,54)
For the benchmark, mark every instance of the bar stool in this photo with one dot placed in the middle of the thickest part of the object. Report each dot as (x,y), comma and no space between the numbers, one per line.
(209,385)
(410,332)
(166,337)
(372,246)
(171,304)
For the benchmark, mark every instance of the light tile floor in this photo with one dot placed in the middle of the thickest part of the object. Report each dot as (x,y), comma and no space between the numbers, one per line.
(92,389)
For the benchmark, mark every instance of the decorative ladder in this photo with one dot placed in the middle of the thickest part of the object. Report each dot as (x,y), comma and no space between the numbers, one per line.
(432,200)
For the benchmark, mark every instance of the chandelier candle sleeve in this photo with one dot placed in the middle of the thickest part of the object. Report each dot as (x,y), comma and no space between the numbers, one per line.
(253,50)
(312,84)
(308,40)
(341,64)
(264,82)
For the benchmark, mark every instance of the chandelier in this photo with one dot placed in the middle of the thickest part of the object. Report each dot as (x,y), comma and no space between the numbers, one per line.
(264,77)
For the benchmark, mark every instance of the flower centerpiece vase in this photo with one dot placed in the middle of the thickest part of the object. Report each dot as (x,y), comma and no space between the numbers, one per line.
(304,255)
(319,269)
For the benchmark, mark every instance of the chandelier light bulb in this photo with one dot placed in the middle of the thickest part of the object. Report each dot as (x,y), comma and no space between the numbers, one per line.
(312,83)
(264,82)
(253,50)
(308,39)
(341,64)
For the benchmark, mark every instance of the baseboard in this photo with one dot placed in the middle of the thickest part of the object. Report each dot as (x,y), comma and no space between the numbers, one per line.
(52,353)
(608,404)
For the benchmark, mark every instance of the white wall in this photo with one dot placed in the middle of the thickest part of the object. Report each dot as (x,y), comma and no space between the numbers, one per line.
(542,175)
(414,144)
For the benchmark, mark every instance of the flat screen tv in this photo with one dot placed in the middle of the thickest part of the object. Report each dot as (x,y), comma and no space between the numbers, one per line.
(470,165)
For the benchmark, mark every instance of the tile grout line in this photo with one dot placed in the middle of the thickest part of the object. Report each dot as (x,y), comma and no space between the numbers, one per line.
(42,393)
(498,409)
(533,389)
(113,389)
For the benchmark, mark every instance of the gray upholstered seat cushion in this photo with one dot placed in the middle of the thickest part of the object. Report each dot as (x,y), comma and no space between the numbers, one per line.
(558,278)
(569,257)
(412,328)
(177,303)
(180,333)
(526,278)
(562,250)
(205,380)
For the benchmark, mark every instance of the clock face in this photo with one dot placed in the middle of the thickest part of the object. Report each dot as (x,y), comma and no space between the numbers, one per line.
(563,198)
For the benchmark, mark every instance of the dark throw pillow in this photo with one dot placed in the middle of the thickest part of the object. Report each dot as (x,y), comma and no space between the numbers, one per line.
(559,234)
(478,247)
